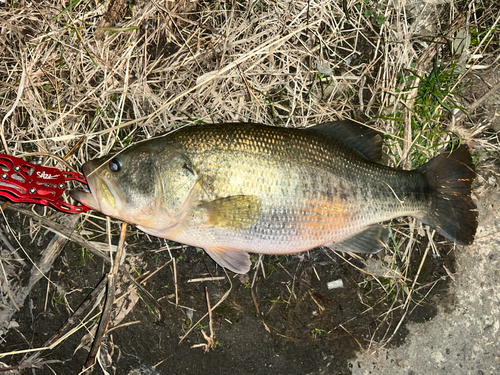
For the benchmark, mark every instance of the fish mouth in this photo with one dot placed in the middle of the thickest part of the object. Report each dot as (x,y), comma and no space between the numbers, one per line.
(85,195)
(99,195)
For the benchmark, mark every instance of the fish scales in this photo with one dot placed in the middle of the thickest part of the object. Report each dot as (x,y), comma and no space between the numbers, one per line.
(237,188)
(313,191)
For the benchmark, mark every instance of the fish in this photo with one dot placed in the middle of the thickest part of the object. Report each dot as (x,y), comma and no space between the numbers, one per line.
(239,188)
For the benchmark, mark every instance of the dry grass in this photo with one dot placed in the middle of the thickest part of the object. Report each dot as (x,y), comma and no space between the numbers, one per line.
(111,73)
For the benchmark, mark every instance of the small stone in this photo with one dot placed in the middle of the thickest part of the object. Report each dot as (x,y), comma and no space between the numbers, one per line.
(335,284)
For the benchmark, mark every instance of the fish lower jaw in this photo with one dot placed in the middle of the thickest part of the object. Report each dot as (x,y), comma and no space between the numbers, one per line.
(85,197)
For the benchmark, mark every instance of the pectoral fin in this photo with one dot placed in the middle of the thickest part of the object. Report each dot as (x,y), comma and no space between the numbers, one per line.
(369,241)
(236,212)
(235,260)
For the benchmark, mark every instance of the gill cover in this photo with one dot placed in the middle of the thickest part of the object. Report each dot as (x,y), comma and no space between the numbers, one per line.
(178,178)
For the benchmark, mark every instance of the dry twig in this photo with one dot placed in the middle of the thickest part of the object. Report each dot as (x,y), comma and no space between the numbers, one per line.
(108,305)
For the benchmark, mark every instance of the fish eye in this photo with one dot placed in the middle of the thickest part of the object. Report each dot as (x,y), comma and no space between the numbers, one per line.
(115,164)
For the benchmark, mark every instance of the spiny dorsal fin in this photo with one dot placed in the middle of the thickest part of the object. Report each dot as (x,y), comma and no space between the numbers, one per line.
(369,241)
(361,138)
(236,212)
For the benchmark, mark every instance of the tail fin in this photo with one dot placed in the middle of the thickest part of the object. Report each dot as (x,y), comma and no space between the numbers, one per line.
(452,212)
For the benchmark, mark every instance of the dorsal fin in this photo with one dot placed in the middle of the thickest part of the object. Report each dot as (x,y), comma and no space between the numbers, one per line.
(367,142)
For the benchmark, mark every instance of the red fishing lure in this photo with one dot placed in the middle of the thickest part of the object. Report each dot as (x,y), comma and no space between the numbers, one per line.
(21,181)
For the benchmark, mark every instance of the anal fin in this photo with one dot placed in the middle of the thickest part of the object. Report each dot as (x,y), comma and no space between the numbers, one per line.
(371,240)
(235,260)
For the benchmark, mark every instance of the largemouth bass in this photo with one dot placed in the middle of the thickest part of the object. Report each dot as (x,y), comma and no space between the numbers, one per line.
(234,189)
